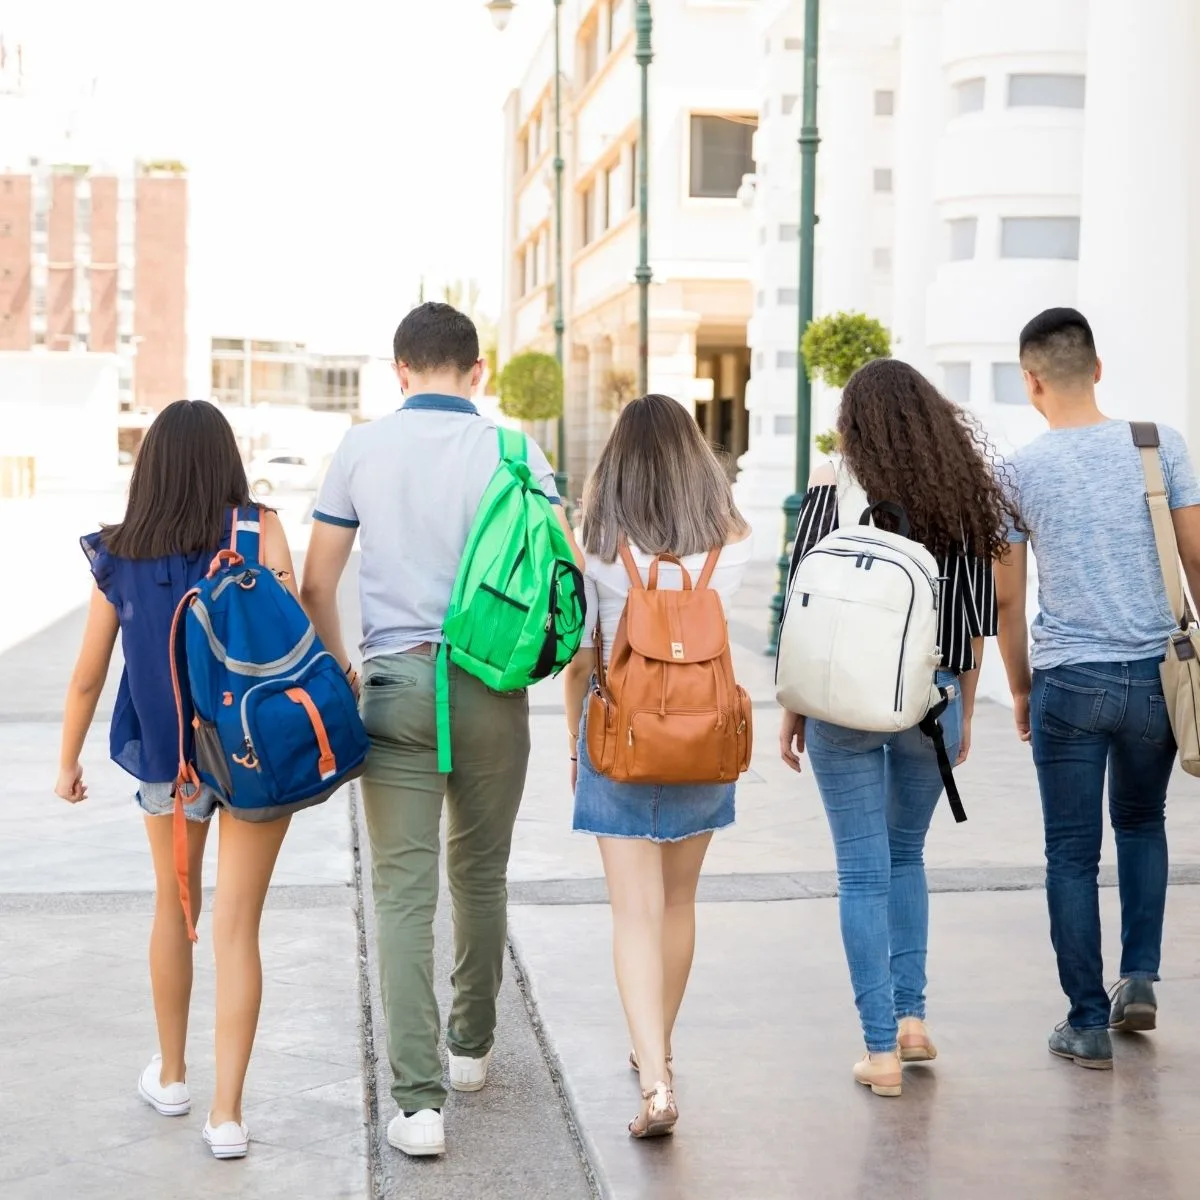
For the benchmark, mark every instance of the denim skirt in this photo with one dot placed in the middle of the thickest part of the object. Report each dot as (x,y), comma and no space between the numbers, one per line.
(655,812)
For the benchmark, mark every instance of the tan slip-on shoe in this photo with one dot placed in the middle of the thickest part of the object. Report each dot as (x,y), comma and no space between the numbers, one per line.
(915,1042)
(880,1072)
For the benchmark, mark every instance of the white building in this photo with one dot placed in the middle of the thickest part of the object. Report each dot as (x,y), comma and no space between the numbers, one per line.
(980,162)
(704,105)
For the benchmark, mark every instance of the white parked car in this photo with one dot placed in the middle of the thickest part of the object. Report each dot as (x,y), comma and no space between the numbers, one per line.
(283,472)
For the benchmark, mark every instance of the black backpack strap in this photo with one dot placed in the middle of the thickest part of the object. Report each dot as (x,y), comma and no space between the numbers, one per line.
(931,727)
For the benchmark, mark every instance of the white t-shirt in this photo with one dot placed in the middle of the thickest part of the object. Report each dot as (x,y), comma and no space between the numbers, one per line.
(607,584)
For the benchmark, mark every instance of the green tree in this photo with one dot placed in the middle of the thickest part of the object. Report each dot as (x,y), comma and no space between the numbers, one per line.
(531,388)
(834,347)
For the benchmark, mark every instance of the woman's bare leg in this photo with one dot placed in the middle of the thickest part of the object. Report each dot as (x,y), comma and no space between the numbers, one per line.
(246,857)
(170,946)
(633,868)
(681,863)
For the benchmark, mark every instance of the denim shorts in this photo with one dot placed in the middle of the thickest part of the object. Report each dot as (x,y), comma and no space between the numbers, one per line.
(654,812)
(156,800)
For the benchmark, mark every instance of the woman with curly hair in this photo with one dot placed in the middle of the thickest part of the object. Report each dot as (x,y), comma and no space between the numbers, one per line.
(901,441)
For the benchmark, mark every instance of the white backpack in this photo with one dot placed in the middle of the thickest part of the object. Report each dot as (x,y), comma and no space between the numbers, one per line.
(859,641)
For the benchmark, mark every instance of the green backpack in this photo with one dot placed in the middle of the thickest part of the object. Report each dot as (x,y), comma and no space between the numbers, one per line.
(517,610)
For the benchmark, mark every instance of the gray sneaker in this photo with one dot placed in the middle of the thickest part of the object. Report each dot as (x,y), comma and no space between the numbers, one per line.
(1134,1007)
(1091,1048)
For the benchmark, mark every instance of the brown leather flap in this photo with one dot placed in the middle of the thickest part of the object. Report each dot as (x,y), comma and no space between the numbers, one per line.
(681,627)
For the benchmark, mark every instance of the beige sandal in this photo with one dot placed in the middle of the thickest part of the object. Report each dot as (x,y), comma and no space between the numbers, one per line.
(659,1113)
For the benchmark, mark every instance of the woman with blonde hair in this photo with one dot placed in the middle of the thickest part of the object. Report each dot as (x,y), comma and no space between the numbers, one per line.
(658,489)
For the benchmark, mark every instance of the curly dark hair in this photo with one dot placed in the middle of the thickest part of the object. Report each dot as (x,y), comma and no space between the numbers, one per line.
(905,442)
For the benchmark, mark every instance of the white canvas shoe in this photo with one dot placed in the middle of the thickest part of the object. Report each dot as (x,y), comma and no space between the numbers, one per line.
(170,1099)
(469,1074)
(421,1135)
(230,1140)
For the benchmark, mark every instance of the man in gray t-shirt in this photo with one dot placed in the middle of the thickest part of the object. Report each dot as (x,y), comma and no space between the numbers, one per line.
(408,486)
(1091,701)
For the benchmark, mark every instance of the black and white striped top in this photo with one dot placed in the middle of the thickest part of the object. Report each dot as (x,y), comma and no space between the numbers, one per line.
(968,606)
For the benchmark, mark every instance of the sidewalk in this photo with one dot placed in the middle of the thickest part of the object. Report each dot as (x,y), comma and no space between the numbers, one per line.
(765,1043)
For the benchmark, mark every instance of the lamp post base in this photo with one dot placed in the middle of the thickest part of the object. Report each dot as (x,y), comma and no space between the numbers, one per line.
(791,517)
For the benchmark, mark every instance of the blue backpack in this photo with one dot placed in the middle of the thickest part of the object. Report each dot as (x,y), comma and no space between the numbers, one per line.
(274,726)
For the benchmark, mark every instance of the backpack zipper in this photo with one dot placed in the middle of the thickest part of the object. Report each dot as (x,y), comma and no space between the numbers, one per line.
(902,554)
(249,744)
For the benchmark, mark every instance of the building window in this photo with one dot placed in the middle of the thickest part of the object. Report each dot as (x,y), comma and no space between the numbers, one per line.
(956,382)
(793,43)
(587,216)
(969,96)
(789,105)
(611,197)
(883,179)
(885,103)
(523,155)
(1008,384)
(962,238)
(1046,91)
(882,258)
(589,54)
(1039,237)
(789,233)
(786,360)
(609,30)
(788,296)
(722,153)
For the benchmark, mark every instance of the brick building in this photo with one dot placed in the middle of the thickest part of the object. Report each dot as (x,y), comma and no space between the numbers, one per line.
(94,260)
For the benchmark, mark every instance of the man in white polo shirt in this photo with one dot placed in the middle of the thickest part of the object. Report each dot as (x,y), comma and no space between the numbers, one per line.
(408,485)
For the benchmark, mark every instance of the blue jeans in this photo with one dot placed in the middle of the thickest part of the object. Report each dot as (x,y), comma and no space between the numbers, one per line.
(1085,719)
(879,792)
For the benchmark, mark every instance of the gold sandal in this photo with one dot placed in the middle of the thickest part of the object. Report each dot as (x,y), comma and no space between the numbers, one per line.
(633,1065)
(659,1113)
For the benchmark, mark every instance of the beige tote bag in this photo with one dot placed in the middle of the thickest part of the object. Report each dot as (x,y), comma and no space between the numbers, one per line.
(1181,667)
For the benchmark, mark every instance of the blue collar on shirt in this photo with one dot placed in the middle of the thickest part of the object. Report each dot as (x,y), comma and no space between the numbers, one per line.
(432,402)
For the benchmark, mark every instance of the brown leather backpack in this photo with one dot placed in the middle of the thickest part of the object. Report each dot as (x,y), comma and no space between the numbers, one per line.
(668,709)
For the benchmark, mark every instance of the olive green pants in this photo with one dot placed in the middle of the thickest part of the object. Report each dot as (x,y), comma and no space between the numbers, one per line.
(402,798)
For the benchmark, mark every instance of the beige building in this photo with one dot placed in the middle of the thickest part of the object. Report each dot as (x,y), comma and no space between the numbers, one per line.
(703,116)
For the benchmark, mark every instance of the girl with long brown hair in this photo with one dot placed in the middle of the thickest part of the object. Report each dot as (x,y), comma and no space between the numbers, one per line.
(904,443)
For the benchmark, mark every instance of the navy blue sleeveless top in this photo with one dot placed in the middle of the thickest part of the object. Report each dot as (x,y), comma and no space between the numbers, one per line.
(144,735)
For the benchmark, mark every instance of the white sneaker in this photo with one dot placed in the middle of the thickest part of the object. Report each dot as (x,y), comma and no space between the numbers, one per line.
(170,1099)
(230,1140)
(422,1134)
(469,1074)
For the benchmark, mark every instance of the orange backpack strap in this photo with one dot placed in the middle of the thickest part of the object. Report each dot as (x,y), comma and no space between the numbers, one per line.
(710,565)
(635,576)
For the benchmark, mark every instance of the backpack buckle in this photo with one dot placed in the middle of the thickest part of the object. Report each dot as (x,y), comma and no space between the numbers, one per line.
(677,650)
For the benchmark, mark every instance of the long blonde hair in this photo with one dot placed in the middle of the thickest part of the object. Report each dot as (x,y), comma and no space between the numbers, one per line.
(659,485)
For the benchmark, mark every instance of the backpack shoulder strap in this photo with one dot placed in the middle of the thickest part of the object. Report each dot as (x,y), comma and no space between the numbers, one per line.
(1146,439)
(631,567)
(245,534)
(514,446)
(710,565)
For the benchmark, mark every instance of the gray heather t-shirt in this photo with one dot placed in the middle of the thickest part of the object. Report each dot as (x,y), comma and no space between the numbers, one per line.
(410,483)
(1082,497)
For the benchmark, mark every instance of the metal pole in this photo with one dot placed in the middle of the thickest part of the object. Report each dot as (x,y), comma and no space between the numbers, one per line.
(643,274)
(809,141)
(561,478)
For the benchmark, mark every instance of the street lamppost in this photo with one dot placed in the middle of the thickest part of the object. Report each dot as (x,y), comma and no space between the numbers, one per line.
(809,141)
(644,24)
(501,11)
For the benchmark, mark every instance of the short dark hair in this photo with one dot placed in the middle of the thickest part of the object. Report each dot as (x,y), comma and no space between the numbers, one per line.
(187,473)
(1058,346)
(436,336)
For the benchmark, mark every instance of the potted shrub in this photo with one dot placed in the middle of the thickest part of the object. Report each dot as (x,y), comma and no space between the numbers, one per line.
(834,347)
(531,387)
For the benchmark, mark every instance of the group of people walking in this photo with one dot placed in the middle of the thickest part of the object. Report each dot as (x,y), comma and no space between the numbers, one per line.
(659,531)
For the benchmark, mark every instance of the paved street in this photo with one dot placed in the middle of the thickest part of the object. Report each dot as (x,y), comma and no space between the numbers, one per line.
(766,1040)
